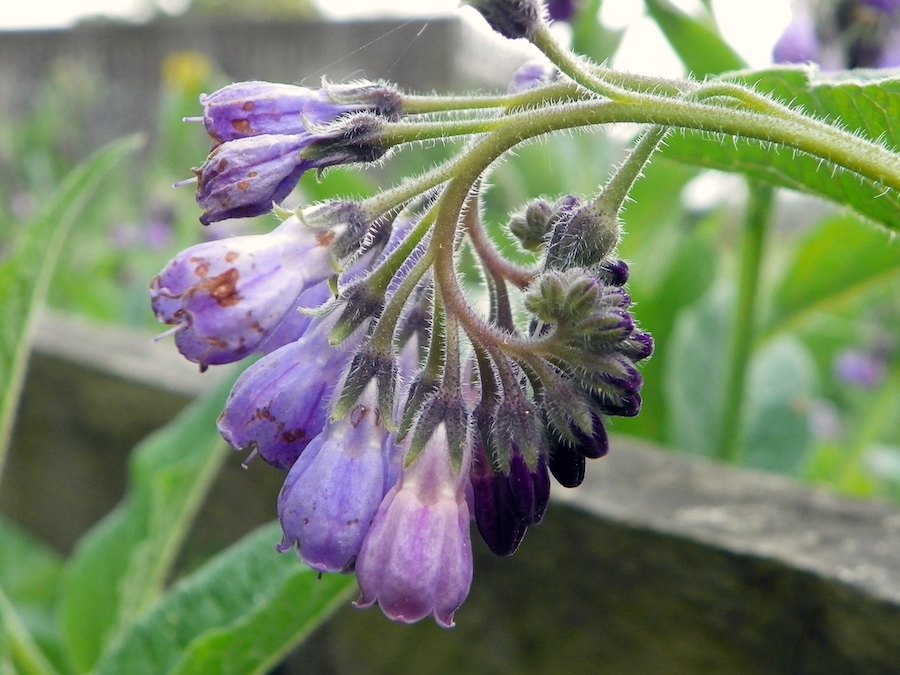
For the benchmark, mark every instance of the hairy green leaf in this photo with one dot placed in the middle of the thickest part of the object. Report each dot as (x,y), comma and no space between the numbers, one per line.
(240,613)
(25,275)
(120,569)
(867,104)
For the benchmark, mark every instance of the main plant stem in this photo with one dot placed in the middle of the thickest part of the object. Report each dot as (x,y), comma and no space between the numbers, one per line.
(756,225)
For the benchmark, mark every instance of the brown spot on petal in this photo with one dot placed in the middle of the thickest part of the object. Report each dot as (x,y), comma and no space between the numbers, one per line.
(264,414)
(222,165)
(222,288)
(202,267)
(324,238)
(249,105)
(242,127)
(244,185)
(231,256)
(293,436)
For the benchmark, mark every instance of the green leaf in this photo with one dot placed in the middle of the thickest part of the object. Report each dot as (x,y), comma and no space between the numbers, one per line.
(24,656)
(868,105)
(119,570)
(839,262)
(240,613)
(26,274)
(697,44)
(781,384)
(590,37)
(695,370)
(29,571)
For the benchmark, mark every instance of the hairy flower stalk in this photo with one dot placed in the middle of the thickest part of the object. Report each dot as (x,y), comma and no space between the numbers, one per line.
(367,392)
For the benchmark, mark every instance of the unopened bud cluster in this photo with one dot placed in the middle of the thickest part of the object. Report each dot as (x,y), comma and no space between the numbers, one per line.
(398,414)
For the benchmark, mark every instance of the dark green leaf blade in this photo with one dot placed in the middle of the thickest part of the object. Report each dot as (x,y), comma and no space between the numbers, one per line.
(119,570)
(26,274)
(839,262)
(30,574)
(240,613)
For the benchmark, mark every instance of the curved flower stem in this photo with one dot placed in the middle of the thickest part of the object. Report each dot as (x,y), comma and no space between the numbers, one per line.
(616,191)
(793,129)
(759,212)
(382,338)
(381,277)
(421,104)
(863,157)
(490,258)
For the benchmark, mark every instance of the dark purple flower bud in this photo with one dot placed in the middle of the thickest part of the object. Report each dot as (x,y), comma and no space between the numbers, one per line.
(513,19)
(530,487)
(638,346)
(620,406)
(562,10)
(333,491)
(532,74)
(565,463)
(493,506)
(614,272)
(244,177)
(619,375)
(253,108)
(799,42)
(595,444)
(416,559)
(227,296)
(281,402)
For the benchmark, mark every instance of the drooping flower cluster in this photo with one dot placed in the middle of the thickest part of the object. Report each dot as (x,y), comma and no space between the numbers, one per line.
(398,411)
(840,35)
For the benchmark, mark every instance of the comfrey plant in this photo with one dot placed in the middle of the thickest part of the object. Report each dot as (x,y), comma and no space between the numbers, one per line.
(398,408)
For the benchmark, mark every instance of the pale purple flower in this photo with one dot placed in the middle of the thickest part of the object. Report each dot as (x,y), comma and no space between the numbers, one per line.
(416,560)
(226,296)
(252,108)
(799,42)
(532,74)
(244,177)
(281,402)
(860,368)
(334,488)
